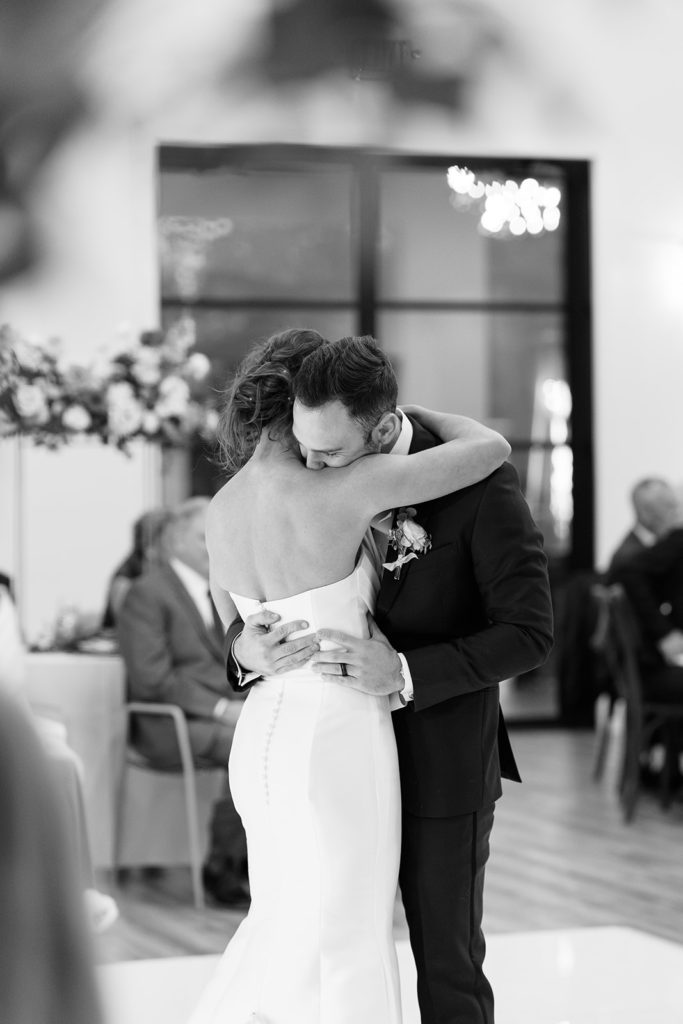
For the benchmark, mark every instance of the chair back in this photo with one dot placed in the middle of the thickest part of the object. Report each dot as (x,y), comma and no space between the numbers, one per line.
(617,637)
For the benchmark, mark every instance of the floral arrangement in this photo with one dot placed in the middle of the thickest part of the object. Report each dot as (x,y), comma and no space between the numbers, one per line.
(408,539)
(151,387)
(69,630)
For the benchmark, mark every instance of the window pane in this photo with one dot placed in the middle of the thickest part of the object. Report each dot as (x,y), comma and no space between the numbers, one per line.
(226,336)
(430,251)
(289,233)
(505,368)
(546,479)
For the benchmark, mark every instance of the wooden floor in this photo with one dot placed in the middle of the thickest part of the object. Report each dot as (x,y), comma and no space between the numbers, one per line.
(560,857)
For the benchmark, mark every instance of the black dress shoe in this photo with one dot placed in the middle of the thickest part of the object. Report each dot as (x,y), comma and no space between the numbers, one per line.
(224,886)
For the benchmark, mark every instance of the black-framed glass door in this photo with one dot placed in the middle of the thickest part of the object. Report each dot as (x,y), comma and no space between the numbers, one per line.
(366,242)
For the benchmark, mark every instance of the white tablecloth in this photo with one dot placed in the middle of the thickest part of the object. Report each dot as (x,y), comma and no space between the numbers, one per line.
(87,692)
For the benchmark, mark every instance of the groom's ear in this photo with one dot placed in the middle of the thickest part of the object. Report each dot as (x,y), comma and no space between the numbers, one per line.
(386,431)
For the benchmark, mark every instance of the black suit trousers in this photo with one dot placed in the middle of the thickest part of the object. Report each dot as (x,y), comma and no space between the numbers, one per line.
(442,885)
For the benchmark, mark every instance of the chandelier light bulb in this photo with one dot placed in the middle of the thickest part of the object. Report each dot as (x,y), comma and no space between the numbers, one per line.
(517,226)
(506,206)
(552,197)
(490,222)
(529,187)
(551,218)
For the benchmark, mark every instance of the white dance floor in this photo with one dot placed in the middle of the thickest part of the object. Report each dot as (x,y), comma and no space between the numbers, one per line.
(580,976)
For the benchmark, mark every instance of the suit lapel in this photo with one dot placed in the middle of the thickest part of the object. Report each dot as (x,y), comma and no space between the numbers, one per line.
(390,587)
(192,612)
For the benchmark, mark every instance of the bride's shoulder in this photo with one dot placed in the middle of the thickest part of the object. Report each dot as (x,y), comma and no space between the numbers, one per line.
(218,506)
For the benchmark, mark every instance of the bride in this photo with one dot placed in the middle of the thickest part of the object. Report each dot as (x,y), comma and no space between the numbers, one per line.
(313,768)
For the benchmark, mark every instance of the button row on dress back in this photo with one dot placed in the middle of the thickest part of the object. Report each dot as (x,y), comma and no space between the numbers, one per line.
(269,738)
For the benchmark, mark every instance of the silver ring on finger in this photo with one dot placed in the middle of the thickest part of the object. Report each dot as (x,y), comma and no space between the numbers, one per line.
(342,666)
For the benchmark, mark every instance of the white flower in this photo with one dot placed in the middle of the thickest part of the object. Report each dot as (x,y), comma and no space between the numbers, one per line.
(408,539)
(124,419)
(76,417)
(124,413)
(29,355)
(30,403)
(150,423)
(416,535)
(197,366)
(120,393)
(174,397)
(145,369)
(211,420)
(99,370)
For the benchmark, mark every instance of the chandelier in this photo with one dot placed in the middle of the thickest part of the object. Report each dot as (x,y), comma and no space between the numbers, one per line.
(506,207)
(184,243)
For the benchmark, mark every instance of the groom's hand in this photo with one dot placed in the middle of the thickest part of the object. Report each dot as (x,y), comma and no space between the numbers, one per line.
(372,666)
(265,648)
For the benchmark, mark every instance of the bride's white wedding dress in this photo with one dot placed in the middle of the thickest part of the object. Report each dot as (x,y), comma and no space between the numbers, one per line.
(314,775)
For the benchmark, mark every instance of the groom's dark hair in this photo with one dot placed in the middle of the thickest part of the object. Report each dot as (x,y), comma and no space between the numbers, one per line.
(354,371)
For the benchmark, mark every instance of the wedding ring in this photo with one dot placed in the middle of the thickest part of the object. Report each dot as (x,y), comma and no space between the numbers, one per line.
(342,666)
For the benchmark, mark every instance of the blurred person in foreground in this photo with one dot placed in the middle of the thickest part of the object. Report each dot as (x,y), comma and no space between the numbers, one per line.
(65,765)
(46,970)
(171,639)
(656,510)
(146,551)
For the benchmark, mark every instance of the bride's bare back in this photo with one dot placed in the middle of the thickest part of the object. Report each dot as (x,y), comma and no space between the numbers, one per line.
(278,529)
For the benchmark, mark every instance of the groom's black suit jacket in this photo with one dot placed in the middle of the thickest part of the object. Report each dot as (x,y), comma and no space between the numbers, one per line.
(472,611)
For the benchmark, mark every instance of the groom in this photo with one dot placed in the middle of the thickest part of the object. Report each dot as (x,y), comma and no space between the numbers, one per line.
(472,611)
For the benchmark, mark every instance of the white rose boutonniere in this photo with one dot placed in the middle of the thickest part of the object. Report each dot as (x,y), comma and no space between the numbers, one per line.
(408,539)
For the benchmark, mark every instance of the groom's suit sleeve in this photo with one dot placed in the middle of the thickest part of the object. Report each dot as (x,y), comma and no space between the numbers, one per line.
(510,569)
(240,679)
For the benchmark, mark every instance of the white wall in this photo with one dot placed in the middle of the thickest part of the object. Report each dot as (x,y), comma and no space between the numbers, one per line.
(592,80)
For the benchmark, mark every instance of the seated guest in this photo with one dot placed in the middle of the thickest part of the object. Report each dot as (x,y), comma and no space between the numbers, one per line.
(656,509)
(172,642)
(653,580)
(65,765)
(147,531)
(46,969)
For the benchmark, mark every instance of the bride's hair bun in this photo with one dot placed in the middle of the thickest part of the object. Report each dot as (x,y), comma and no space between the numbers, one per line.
(261,395)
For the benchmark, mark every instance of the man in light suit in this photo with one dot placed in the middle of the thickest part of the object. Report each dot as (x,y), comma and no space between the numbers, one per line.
(172,642)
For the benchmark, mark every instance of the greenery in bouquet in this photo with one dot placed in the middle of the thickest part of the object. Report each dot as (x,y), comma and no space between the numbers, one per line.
(152,387)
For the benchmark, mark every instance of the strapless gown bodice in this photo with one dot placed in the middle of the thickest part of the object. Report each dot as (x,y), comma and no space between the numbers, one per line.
(314,775)
(341,605)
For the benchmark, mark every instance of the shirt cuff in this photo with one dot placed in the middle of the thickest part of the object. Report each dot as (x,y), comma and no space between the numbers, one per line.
(401,697)
(243,678)
(408,691)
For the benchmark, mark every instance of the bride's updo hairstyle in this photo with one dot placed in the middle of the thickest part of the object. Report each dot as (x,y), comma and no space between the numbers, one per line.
(260,395)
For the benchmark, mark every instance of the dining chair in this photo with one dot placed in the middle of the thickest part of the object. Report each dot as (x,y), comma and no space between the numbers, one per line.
(609,707)
(163,815)
(621,645)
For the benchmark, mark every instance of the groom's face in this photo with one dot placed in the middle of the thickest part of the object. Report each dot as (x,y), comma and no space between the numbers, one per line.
(329,436)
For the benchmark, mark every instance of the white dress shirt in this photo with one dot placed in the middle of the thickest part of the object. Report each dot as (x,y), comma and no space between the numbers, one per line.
(197,587)
(645,536)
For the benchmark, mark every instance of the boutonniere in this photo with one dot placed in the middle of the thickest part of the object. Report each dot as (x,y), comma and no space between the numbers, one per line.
(408,539)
